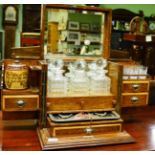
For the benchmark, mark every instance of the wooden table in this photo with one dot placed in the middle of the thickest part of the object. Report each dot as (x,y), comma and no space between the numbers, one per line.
(139,122)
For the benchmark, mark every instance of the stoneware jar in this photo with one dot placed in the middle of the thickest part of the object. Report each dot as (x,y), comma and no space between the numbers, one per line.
(16,76)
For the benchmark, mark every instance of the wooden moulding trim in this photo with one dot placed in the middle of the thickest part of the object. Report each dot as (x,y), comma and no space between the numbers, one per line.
(81,141)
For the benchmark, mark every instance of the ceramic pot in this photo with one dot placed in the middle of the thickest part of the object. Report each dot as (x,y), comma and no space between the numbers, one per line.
(16,76)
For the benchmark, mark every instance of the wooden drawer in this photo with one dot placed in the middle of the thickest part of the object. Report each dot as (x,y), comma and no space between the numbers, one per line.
(57,105)
(131,87)
(20,103)
(84,129)
(131,100)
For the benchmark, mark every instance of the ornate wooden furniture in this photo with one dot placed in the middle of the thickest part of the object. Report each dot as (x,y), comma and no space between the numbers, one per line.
(135,91)
(70,32)
(90,132)
(120,25)
(136,85)
(52,134)
(20,103)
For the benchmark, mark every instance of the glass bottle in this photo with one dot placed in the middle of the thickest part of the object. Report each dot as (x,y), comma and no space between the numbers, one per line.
(57,82)
(100,83)
(78,80)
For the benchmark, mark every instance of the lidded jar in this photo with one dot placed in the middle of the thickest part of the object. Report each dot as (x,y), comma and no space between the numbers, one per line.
(16,75)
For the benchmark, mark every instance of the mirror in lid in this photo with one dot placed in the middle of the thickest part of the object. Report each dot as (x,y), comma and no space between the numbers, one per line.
(77,31)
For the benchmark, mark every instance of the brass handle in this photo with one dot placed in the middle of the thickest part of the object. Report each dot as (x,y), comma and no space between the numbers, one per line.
(134,99)
(88,130)
(20,103)
(135,87)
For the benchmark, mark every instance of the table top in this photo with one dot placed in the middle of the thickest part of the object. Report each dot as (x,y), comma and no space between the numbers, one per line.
(138,122)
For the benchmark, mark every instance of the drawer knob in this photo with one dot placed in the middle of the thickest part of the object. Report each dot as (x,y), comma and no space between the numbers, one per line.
(114,102)
(88,130)
(135,87)
(20,103)
(134,99)
(82,102)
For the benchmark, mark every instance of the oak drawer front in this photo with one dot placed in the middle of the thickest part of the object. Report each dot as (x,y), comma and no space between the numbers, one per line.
(21,103)
(135,100)
(135,87)
(85,130)
(79,103)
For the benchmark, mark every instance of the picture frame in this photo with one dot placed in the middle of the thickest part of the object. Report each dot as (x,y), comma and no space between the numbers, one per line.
(73,25)
(95,27)
(73,36)
(85,27)
(10,14)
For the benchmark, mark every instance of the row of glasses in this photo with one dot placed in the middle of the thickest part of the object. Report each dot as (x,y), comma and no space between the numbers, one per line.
(135,72)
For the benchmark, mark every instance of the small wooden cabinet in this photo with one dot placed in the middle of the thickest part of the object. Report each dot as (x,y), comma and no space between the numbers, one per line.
(135,93)
(19,104)
(135,85)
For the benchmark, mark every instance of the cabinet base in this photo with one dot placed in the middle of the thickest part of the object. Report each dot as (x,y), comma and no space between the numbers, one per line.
(53,143)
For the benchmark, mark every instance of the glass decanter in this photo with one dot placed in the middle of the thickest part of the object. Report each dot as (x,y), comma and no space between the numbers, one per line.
(78,80)
(100,83)
(57,82)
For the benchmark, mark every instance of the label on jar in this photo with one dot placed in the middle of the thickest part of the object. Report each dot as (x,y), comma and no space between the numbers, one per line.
(16,79)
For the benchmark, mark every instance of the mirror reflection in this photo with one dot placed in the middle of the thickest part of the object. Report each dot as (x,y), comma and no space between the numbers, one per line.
(74,32)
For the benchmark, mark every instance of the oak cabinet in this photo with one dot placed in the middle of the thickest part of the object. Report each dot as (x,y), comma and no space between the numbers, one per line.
(20,103)
(68,121)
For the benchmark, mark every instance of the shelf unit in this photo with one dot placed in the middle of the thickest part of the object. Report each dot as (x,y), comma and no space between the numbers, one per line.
(119,46)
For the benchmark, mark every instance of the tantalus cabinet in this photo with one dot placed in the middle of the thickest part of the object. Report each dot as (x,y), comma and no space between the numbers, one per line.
(64,34)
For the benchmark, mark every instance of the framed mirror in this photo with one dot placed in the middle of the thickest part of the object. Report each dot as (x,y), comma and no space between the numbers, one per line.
(73,30)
